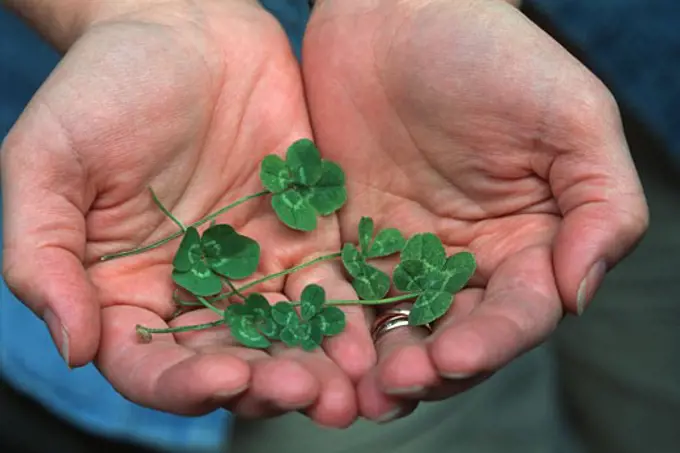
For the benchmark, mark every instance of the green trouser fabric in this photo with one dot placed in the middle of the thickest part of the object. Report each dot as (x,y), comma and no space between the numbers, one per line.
(608,382)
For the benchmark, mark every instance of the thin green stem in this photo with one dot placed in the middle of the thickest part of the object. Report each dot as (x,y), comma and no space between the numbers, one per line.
(165,210)
(234,289)
(210,306)
(146,330)
(389,300)
(188,303)
(266,278)
(198,223)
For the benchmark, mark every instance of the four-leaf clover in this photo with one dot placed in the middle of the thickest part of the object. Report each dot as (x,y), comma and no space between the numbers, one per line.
(251,322)
(304,185)
(314,322)
(424,268)
(369,282)
(221,251)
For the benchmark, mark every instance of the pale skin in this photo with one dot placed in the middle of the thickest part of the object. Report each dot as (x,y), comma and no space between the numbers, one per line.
(186,100)
(465,119)
(518,156)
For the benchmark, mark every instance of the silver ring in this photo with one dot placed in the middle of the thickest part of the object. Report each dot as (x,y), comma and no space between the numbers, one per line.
(392,319)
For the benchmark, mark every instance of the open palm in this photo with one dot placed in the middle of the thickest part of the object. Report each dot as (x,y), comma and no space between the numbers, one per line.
(466,120)
(186,100)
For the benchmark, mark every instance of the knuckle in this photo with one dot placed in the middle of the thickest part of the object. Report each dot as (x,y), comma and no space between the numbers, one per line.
(596,103)
(636,223)
(591,110)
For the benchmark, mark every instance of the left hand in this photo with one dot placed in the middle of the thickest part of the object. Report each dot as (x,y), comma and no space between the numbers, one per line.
(467,120)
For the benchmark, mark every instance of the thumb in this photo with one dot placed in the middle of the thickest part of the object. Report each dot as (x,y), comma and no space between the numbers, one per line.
(44,201)
(604,209)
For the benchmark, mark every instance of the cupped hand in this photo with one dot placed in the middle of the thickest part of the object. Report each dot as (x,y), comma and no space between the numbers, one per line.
(186,99)
(467,120)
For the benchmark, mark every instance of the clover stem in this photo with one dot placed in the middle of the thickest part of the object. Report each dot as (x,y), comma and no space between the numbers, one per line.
(234,289)
(284,272)
(165,210)
(210,306)
(145,332)
(389,300)
(188,303)
(177,234)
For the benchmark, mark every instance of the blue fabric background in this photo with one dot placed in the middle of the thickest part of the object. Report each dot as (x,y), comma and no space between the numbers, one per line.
(28,359)
(634,46)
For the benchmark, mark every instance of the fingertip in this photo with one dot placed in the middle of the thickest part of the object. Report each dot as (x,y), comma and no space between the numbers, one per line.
(458,352)
(407,371)
(336,406)
(377,406)
(353,351)
(201,383)
(286,383)
(593,238)
(53,284)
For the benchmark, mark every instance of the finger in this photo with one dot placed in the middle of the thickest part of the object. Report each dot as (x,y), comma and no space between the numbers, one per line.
(403,374)
(603,205)
(44,200)
(164,375)
(404,367)
(277,385)
(353,349)
(376,405)
(404,364)
(520,308)
(336,402)
(335,406)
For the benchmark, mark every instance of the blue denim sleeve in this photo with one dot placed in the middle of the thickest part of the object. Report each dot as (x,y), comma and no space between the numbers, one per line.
(28,359)
(634,47)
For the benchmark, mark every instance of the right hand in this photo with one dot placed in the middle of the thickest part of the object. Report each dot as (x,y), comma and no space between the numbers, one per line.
(186,99)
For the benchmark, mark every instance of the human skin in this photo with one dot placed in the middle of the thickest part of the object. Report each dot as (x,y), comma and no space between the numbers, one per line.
(187,98)
(465,119)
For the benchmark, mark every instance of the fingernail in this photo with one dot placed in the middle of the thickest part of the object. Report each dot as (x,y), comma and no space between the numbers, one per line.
(226,394)
(59,334)
(390,415)
(414,390)
(458,375)
(589,286)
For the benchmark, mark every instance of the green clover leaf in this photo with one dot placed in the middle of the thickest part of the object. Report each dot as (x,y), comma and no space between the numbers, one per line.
(330,321)
(304,161)
(294,210)
(329,193)
(311,301)
(230,254)
(426,248)
(200,261)
(366,227)
(284,314)
(315,322)
(274,174)
(296,332)
(386,243)
(369,282)
(251,322)
(430,306)
(424,268)
(304,185)
(190,270)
